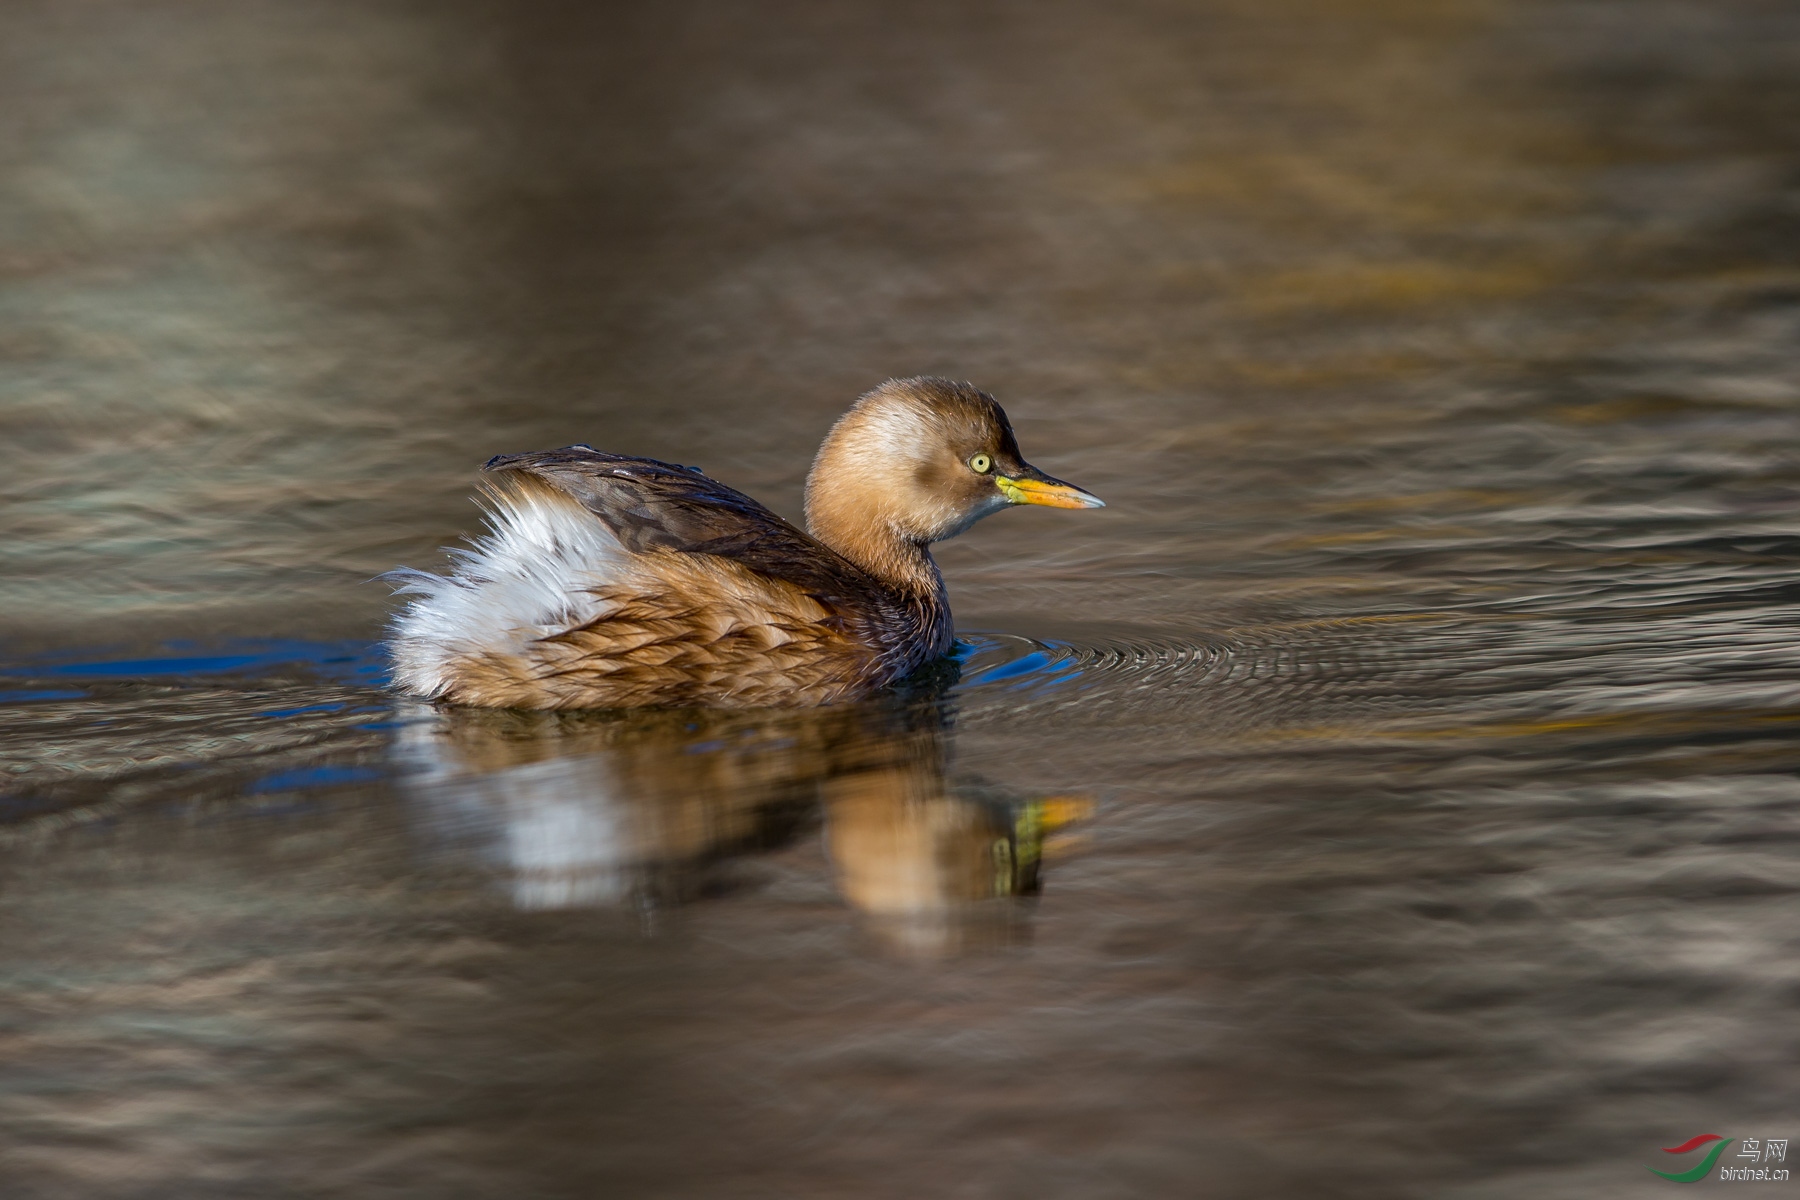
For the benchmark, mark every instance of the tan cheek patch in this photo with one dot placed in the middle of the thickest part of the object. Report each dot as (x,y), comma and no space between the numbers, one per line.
(931,476)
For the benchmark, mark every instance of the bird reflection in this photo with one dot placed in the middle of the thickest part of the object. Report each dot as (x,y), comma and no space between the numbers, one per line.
(648,809)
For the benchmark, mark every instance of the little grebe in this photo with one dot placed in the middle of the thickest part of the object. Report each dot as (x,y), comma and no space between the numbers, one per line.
(614,582)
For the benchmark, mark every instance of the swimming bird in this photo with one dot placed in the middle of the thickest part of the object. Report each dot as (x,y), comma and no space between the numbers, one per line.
(606,581)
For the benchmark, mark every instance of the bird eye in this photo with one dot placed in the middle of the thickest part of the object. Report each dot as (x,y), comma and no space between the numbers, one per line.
(980,464)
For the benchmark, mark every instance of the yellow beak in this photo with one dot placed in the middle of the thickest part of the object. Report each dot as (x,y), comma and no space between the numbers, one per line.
(1052,493)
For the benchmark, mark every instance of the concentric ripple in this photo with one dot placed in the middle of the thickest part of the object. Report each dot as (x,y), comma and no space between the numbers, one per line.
(1345,668)
(1016,666)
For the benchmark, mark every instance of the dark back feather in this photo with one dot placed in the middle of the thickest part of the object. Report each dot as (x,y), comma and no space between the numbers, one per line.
(651,505)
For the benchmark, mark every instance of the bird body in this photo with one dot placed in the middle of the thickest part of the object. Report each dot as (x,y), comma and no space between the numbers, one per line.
(606,581)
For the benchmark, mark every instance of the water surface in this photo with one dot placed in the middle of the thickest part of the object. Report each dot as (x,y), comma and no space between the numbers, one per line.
(1394,792)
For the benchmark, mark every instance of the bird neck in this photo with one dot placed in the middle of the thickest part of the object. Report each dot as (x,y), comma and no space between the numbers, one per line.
(903,565)
(862,502)
(852,507)
(897,561)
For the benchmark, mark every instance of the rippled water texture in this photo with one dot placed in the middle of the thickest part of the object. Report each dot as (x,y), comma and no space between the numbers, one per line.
(1394,792)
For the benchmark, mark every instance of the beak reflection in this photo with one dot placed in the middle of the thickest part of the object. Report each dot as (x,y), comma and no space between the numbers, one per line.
(652,810)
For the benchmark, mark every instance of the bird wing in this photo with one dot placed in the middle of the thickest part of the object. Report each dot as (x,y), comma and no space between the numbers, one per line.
(651,506)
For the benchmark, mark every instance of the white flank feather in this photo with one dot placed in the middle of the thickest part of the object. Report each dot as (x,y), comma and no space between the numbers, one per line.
(531,575)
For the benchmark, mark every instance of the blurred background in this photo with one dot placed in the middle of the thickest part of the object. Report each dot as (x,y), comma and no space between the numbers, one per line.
(1394,792)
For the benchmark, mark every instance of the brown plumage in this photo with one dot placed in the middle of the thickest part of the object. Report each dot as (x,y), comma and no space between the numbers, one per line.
(610,582)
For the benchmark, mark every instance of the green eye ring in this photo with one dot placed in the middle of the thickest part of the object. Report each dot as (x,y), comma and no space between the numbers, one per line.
(981,464)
